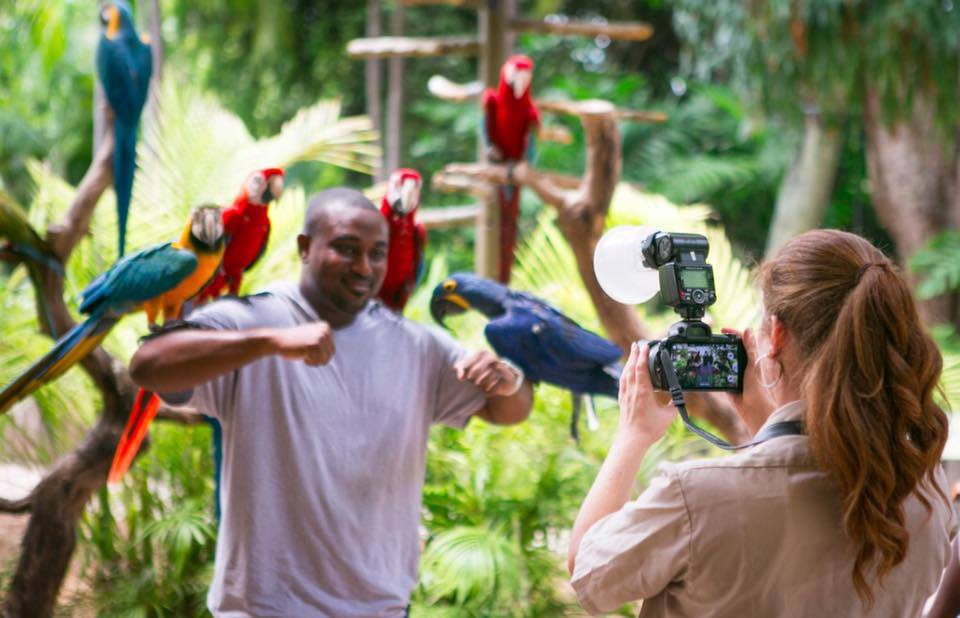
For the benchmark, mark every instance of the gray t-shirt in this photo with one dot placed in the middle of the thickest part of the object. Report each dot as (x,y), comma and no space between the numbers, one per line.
(323,466)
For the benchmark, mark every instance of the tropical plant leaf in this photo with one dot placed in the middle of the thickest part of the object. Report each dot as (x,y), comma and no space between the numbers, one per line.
(472,567)
(939,263)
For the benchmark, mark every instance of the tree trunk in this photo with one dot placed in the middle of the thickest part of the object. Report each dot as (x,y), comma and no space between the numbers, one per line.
(373,81)
(805,190)
(913,181)
(393,138)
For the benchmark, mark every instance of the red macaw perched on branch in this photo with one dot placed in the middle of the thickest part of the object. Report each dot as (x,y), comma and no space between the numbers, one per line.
(407,238)
(509,118)
(246,225)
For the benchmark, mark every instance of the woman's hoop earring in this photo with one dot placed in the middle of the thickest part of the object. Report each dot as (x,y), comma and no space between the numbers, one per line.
(763,381)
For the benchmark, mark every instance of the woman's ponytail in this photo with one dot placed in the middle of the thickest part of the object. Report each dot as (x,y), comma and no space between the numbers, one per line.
(870,371)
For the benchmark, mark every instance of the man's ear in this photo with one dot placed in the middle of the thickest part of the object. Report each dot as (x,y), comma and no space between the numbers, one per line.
(303,247)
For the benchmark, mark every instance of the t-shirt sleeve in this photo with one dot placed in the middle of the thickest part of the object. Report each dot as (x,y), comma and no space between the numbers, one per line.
(214,397)
(455,401)
(636,552)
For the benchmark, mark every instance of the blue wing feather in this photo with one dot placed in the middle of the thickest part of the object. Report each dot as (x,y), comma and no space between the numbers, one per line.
(139,277)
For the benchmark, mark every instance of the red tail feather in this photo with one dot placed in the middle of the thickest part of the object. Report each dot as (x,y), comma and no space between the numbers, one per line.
(144,409)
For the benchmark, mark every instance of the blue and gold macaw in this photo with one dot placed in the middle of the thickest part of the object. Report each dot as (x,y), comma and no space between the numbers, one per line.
(158,280)
(537,337)
(124,66)
(23,244)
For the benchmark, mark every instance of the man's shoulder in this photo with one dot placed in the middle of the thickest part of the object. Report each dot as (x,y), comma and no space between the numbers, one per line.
(259,309)
(411,331)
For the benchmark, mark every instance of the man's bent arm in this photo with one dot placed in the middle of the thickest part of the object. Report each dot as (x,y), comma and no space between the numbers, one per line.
(183,359)
(509,409)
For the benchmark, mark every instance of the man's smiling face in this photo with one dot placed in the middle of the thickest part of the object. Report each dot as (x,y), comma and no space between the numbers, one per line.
(345,256)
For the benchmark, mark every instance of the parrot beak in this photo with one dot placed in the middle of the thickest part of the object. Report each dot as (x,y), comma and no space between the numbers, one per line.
(521,81)
(112,21)
(273,189)
(409,196)
(451,304)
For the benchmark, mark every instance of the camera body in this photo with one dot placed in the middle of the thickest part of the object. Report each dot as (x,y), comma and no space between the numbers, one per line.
(701,360)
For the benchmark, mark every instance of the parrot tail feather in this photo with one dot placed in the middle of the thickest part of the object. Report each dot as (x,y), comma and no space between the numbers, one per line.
(144,409)
(124,167)
(69,349)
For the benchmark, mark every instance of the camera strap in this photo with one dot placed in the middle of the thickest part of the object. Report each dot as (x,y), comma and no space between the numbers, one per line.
(783,428)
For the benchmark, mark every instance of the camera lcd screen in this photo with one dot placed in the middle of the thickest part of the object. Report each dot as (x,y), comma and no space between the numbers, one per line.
(693,278)
(706,365)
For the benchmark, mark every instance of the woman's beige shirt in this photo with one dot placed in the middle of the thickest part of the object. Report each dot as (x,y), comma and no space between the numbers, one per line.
(755,534)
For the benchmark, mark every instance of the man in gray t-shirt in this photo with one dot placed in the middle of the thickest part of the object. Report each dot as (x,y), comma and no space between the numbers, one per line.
(326,399)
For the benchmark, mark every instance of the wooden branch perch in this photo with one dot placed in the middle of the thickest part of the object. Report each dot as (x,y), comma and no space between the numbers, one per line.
(59,499)
(629,31)
(412,47)
(581,214)
(447,90)
(463,4)
(182,416)
(16,506)
(576,108)
(451,216)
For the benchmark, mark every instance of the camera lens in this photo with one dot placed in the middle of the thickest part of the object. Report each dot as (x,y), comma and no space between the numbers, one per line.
(699,296)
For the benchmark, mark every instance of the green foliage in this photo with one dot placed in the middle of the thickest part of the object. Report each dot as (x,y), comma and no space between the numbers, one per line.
(147,548)
(939,263)
(46,88)
(829,53)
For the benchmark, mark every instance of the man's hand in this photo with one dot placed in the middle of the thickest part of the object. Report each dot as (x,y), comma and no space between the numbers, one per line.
(312,343)
(489,373)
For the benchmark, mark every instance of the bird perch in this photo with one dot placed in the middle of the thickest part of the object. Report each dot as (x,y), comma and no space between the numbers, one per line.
(412,47)
(443,88)
(628,31)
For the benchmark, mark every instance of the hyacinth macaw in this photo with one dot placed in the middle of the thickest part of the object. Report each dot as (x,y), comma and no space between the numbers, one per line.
(246,225)
(509,119)
(407,238)
(124,66)
(158,280)
(546,344)
(23,244)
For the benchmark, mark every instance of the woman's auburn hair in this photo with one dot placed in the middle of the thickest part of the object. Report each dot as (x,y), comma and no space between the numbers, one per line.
(869,374)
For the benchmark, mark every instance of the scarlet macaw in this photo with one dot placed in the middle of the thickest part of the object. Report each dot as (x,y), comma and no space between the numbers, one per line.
(509,119)
(546,344)
(124,66)
(23,244)
(407,238)
(158,279)
(246,225)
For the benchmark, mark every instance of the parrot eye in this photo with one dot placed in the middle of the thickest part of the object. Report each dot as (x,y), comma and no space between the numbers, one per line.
(449,285)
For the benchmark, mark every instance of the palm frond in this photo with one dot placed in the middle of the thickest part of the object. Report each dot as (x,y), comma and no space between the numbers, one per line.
(471,567)
(939,263)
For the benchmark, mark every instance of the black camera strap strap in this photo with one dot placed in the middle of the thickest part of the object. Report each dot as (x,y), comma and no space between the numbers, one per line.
(776,430)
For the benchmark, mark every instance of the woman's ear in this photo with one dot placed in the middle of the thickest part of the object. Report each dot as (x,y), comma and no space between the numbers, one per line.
(778,337)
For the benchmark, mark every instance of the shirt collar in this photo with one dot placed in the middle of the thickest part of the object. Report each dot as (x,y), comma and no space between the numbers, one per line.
(790,411)
(291,291)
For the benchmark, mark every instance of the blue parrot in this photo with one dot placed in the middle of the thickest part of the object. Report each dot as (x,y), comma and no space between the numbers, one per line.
(124,66)
(547,345)
(157,279)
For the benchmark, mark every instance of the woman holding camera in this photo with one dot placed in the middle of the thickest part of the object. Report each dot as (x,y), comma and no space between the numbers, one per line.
(849,519)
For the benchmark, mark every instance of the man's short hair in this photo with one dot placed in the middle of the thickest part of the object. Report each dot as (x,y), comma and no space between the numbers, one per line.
(320,202)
